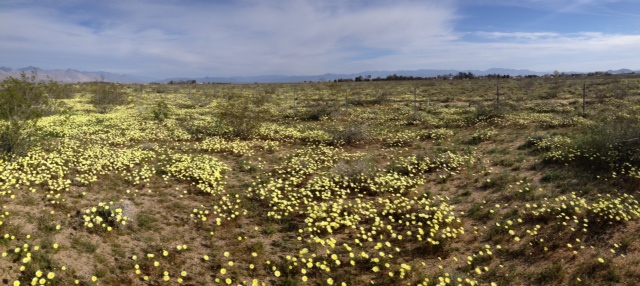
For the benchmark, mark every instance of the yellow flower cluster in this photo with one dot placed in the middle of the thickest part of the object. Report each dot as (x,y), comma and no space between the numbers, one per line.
(104,217)
(205,172)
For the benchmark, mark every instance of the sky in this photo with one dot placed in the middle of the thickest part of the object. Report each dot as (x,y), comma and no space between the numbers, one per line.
(196,38)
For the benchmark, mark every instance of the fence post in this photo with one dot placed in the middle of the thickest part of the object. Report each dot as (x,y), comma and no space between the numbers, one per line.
(415,100)
(346,100)
(584,96)
(295,110)
(426,99)
(498,96)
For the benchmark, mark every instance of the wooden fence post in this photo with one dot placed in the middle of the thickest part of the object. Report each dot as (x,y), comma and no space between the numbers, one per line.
(498,96)
(346,100)
(584,96)
(295,109)
(415,100)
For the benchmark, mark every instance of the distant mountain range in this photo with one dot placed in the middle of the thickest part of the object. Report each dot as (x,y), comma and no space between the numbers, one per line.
(75,76)
(331,77)
(70,75)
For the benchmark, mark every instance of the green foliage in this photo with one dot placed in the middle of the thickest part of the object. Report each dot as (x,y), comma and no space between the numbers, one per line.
(244,115)
(552,92)
(611,144)
(551,274)
(378,99)
(106,96)
(22,102)
(61,91)
(485,112)
(319,109)
(481,135)
(197,98)
(160,111)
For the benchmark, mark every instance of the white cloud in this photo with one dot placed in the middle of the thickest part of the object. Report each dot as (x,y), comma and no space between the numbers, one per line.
(578,52)
(171,38)
(245,38)
(518,35)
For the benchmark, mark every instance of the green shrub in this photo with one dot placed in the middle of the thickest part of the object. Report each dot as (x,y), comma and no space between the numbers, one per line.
(610,144)
(160,110)
(378,99)
(319,109)
(350,135)
(22,102)
(243,115)
(485,112)
(481,136)
(61,91)
(106,96)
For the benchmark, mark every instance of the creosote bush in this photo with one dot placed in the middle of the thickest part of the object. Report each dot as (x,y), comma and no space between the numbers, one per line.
(23,101)
(611,144)
(243,115)
(106,96)
(160,111)
(352,134)
(485,112)
(319,109)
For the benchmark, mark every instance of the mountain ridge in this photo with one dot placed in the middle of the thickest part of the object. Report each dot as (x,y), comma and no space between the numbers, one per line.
(334,76)
(75,76)
(70,75)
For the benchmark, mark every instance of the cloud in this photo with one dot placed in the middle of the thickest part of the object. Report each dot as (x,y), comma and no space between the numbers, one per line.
(554,5)
(239,38)
(517,35)
(535,51)
(224,38)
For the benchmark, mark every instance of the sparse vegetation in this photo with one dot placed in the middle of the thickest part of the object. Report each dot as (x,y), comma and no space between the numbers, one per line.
(361,183)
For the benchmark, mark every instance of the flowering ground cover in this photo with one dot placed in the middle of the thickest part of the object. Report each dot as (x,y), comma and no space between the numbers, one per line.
(374,183)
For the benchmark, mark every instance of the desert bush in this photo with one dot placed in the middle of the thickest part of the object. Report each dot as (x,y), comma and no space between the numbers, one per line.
(318,109)
(106,96)
(243,115)
(485,112)
(160,111)
(532,142)
(352,134)
(415,118)
(61,91)
(22,102)
(356,168)
(552,92)
(159,88)
(199,99)
(620,89)
(359,172)
(610,144)
(270,89)
(200,128)
(481,135)
(378,99)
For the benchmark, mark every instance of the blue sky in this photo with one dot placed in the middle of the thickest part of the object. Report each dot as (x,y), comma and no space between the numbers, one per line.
(168,38)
